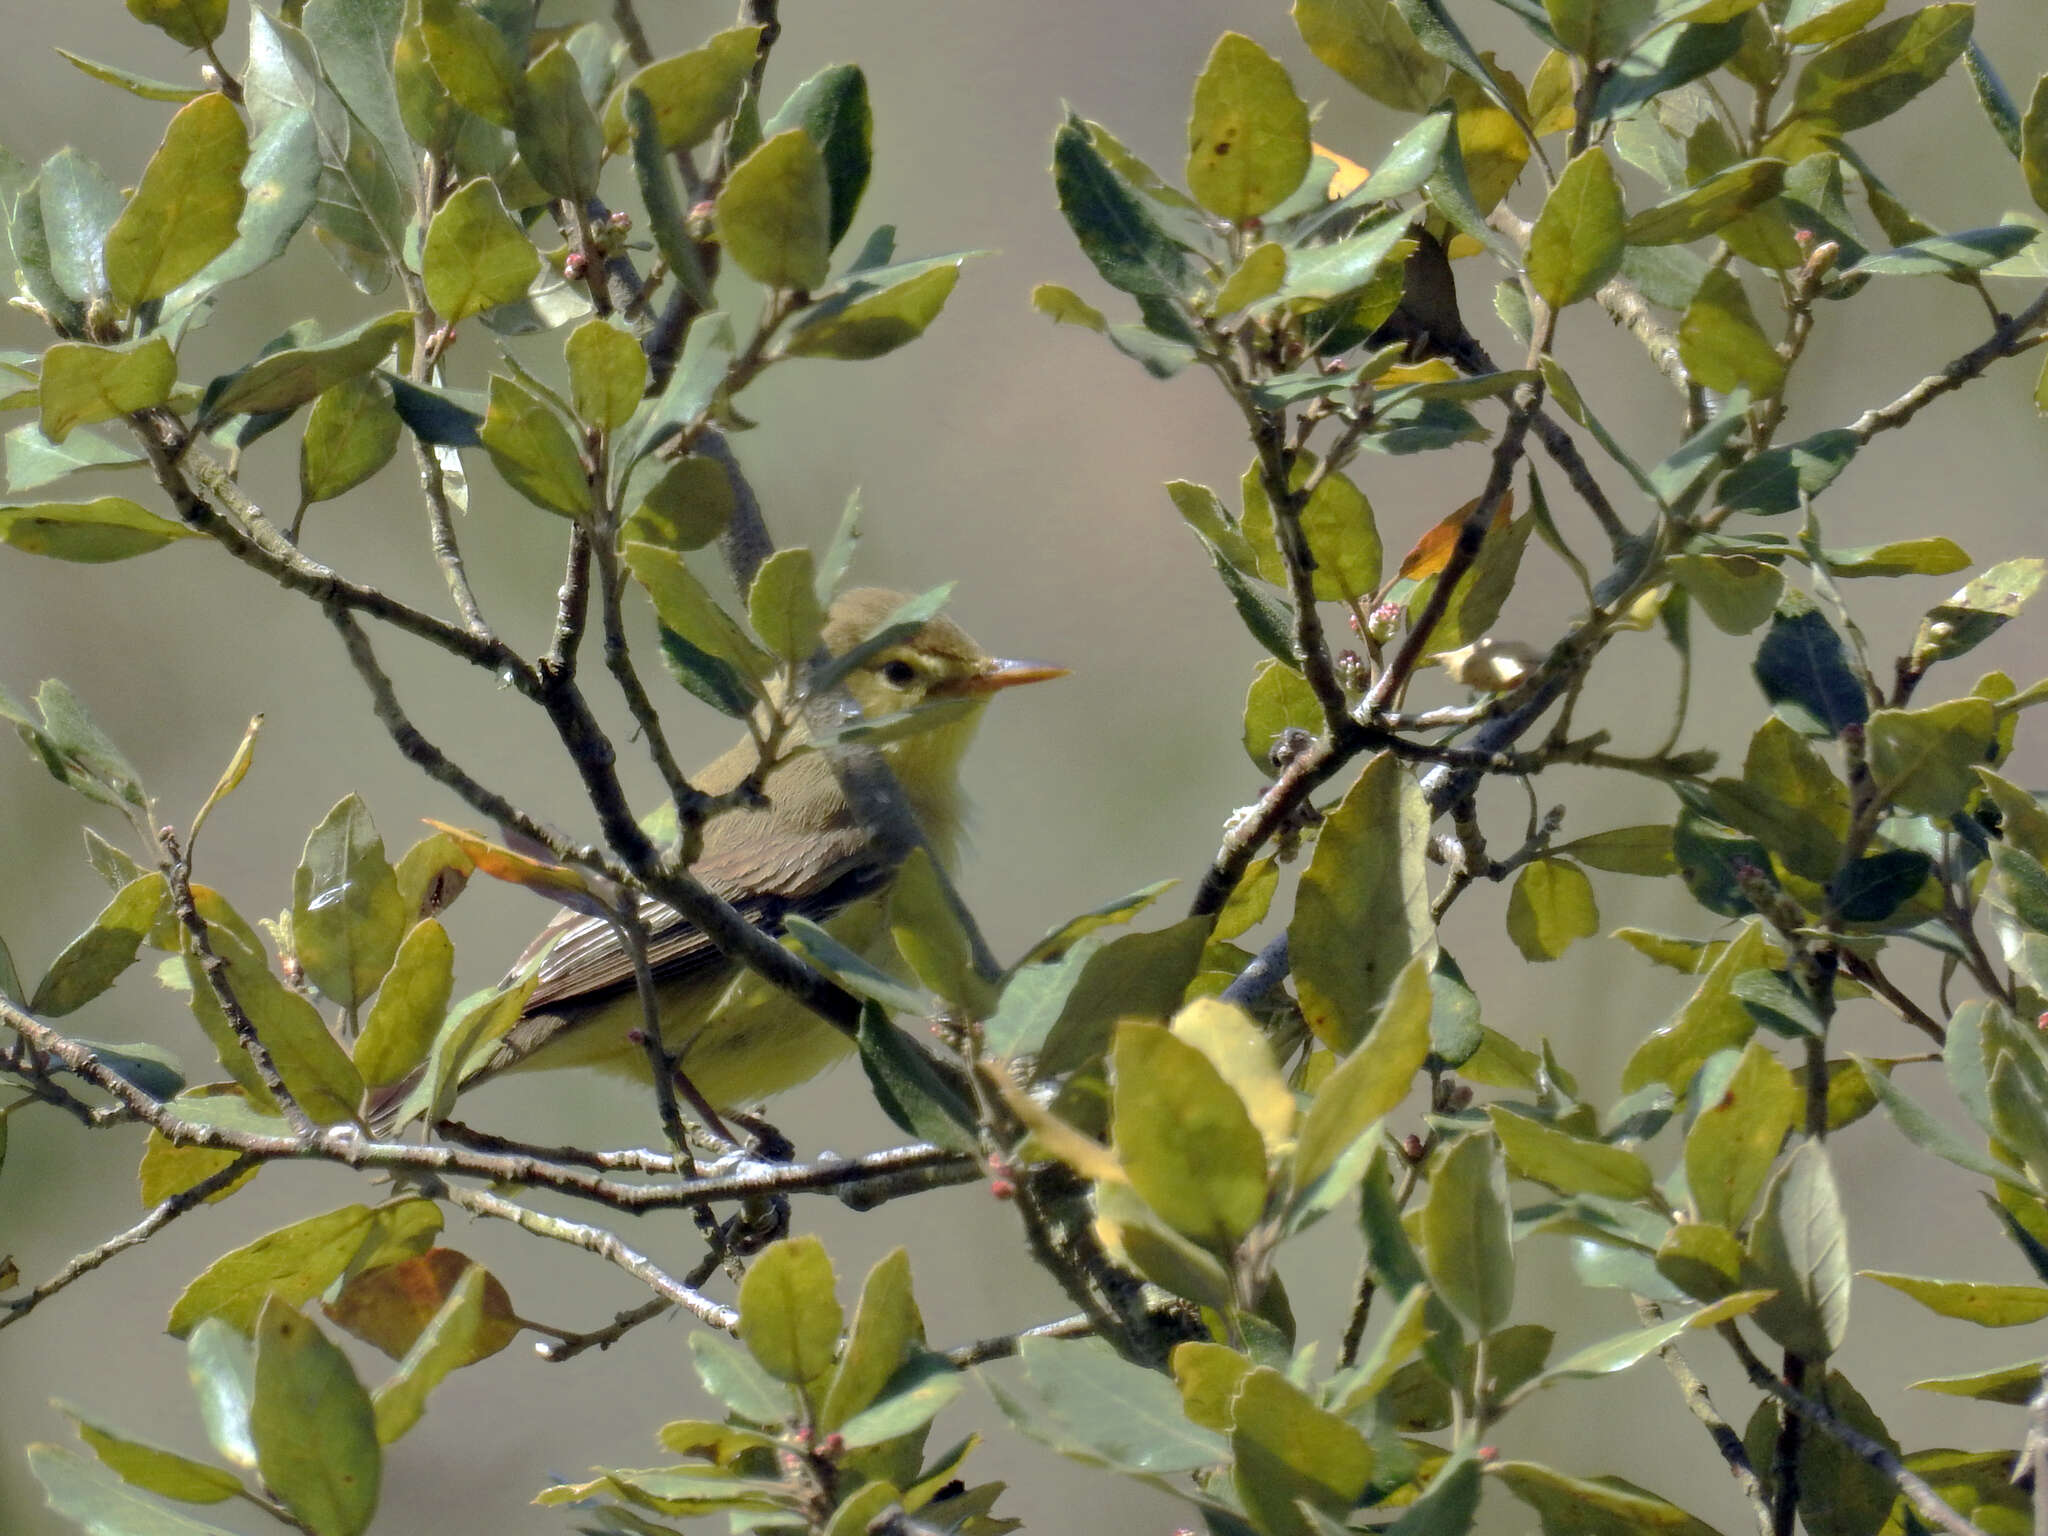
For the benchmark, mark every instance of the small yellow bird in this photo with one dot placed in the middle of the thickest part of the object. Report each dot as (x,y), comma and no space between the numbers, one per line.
(805,851)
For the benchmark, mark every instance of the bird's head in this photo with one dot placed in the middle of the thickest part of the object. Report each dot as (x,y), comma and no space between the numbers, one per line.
(936,663)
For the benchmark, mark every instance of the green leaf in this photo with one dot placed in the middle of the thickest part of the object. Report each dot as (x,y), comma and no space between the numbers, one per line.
(1624,850)
(347,918)
(1799,1246)
(83,383)
(1258,277)
(1137,976)
(1482,591)
(731,1375)
(1370,1082)
(689,612)
(1114,229)
(313,1426)
(284,380)
(1902,557)
(1439,34)
(1712,1019)
(558,133)
(294,1263)
(186,209)
(78,1491)
(189,23)
(886,1325)
(1873,888)
(1804,671)
(1363,908)
(1826,21)
(476,256)
(1577,243)
(1701,1259)
(1279,700)
(1289,1453)
(169,1169)
(1722,345)
(832,107)
(685,509)
(1062,938)
(221,1364)
(1465,1234)
(2012,1384)
(1970,250)
(879,320)
(775,214)
(1735,1139)
(33,460)
(1737,591)
(1977,612)
(1606,1506)
(2033,144)
(151,1467)
(90,532)
(1248,144)
(1867,77)
(409,1007)
(352,432)
(1337,522)
(1063,306)
(1670,57)
(94,960)
(1624,1350)
(1775,480)
(926,926)
(78,206)
(473,59)
(1923,759)
(1368,43)
(607,374)
(789,1314)
(533,450)
(75,750)
(443,1345)
(1988,1306)
(1185,1138)
(1701,210)
(909,1400)
(1115,1412)
(356,44)
(691,93)
(1551,905)
(1571,1165)
(782,605)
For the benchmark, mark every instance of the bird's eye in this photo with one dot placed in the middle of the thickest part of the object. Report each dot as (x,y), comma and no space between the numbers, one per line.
(899,673)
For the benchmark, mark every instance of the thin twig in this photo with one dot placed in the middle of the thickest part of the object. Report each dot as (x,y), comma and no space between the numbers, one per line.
(1928,1504)
(177,872)
(1723,1434)
(2006,341)
(606,1245)
(14,1308)
(1003,1345)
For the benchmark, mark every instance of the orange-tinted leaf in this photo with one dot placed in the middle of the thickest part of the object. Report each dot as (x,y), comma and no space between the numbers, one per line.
(1432,552)
(1350,175)
(514,868)
(389,1307)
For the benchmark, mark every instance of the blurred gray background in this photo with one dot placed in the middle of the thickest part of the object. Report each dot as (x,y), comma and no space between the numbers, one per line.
(1026,462)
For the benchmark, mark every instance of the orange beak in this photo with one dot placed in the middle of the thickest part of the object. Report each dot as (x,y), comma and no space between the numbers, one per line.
(998,673)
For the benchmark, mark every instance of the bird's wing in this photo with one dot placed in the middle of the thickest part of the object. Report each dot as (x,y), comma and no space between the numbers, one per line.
(583,964)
